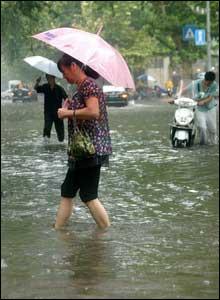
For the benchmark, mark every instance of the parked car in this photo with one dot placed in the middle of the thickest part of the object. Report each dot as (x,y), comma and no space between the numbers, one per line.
(7,95)
(200,75)
(24,95)
(115,96)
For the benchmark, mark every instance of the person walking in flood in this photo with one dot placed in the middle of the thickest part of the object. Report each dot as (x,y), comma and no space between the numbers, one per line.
(54,94)
(177,82)
(87,107)
(204,92)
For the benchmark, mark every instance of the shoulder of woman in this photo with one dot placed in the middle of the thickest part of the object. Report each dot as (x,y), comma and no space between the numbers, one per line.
(91,81)
(91,85)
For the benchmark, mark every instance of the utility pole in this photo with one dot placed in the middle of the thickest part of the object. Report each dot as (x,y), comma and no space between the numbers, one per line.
(209,63)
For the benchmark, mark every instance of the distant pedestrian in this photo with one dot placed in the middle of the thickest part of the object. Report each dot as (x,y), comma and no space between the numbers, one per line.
(54,94)
(176,79)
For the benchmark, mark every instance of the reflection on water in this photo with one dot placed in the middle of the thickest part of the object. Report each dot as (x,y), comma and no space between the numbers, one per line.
(163,204)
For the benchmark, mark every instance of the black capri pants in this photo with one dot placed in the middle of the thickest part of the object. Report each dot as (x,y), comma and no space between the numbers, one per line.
(86,180)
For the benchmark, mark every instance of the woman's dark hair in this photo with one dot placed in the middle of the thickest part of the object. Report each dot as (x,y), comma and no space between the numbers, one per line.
(210,76)
(66,60)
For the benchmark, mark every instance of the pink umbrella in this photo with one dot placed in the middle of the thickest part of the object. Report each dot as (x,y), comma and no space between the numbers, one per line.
(91,50)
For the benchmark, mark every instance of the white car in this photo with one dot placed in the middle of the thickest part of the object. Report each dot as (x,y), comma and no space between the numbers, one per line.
(7,95)
(115,96)
(200,75)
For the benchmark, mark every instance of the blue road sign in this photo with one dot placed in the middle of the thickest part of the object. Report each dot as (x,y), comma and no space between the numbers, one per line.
(189,32)
(200,37)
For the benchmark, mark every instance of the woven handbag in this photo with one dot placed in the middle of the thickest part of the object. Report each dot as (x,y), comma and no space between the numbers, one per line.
(80,144)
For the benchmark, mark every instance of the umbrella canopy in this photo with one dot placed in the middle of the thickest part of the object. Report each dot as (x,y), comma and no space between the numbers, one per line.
(44,64)
(91,50)
(146,77)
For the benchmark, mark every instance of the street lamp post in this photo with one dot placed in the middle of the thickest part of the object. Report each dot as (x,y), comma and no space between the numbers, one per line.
(209,63)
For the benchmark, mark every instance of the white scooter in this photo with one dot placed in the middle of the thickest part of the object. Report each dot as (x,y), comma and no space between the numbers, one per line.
(183,128)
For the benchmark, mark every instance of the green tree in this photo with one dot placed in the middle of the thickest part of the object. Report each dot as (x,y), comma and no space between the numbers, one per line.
(140,30)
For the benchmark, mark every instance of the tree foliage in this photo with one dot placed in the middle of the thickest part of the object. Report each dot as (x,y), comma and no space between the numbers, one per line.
(141,30)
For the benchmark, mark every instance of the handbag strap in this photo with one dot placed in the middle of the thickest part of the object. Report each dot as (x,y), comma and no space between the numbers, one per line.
(74,120)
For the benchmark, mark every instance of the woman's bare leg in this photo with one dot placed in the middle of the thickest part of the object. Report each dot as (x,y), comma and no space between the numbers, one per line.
(99,213)
(64,212)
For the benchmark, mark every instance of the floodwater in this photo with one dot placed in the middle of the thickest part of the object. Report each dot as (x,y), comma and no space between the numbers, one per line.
(163,205)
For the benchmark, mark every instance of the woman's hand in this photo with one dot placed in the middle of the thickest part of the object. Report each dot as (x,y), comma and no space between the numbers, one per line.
(64,113)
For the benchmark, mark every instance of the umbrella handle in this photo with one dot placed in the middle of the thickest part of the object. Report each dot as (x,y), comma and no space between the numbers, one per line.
(100,29)
(66,103)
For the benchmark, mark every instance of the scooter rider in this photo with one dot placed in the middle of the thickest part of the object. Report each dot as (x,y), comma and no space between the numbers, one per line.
(169,87)
(204,92)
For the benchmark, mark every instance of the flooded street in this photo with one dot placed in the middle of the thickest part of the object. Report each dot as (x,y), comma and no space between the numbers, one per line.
(163,205)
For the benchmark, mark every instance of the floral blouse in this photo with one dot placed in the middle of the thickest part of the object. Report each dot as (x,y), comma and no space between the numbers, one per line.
(98,130)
